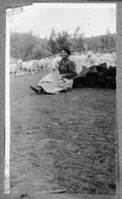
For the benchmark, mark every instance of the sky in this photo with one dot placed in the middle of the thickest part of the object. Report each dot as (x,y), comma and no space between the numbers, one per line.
(92,18)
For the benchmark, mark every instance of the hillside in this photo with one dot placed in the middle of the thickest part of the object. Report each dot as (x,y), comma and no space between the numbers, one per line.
(28,46)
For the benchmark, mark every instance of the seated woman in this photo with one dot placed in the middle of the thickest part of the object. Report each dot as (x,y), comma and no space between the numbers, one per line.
(60,78)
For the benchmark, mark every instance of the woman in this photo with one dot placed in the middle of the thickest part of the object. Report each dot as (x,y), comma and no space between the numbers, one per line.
(60,79)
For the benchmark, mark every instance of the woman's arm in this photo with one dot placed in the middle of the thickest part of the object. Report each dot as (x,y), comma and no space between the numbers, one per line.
(71,71)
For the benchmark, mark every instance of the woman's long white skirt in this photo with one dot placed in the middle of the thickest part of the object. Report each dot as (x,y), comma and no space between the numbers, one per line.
(53,82)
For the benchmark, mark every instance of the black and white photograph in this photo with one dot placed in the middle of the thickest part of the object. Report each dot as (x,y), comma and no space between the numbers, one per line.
(60,121)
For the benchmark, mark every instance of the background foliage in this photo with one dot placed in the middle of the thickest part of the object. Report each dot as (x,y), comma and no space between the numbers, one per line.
(29,46)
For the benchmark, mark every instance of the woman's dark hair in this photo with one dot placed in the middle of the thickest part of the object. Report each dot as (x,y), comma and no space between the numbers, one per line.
(66,48)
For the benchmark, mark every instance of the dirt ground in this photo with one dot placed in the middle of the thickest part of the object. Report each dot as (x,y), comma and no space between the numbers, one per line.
(64,142)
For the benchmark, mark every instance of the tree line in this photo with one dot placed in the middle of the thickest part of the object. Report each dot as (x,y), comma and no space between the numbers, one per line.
(27,46)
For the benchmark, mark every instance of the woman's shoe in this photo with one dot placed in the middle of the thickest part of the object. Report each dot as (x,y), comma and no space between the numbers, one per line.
(38,91)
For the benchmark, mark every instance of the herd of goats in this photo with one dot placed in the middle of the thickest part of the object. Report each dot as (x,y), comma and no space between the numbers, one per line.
(92,68)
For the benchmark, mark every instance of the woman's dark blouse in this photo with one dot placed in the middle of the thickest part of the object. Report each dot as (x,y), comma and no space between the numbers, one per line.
(67,68)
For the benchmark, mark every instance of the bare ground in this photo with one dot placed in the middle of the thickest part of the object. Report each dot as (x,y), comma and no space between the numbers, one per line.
(64,142)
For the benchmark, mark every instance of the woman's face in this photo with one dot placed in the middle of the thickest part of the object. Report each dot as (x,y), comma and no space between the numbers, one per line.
(64,54)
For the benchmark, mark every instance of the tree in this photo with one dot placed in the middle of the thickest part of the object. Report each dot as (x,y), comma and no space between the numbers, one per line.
(51,46)
(108,32)
(26,46)
(56,41)
(78,40)
(102,42)
(63,39)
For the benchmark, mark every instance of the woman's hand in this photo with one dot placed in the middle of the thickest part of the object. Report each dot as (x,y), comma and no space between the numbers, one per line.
(63,75)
